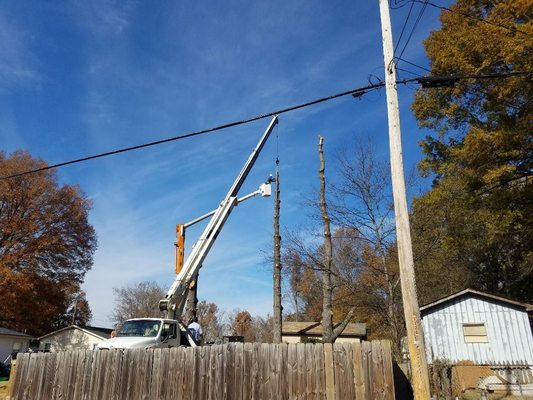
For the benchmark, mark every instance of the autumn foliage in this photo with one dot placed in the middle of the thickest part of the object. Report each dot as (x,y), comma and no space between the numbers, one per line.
(46,246)
(473,228)
(243,326)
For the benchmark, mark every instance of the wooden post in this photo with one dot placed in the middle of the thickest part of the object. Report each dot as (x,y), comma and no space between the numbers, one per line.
(415,335)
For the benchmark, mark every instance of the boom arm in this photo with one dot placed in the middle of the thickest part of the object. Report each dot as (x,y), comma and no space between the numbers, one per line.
(174,300)
(264,190)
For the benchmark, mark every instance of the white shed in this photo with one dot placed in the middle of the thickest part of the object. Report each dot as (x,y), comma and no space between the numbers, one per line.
(479,327)
(73,337)
(12,341)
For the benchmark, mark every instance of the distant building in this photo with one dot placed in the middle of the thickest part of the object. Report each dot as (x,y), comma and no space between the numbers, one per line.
(73,337)
(12,341)
(480,327)
(232,339)
(488,338)
(296,332)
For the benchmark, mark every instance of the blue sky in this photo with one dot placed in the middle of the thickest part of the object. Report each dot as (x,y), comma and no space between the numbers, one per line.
(78,78)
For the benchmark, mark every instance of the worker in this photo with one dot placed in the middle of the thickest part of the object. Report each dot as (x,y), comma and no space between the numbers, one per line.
(152,330)
(195,330)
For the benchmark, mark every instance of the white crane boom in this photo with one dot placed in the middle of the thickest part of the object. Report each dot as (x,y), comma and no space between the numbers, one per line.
(174,301)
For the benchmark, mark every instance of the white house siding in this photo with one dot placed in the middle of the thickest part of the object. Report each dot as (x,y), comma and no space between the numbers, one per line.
(10,343)
(69,339)
(508,332)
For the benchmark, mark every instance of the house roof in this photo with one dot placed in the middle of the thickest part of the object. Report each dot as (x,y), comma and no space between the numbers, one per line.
(102,333)
(472,293)
(9,332)
(315,329)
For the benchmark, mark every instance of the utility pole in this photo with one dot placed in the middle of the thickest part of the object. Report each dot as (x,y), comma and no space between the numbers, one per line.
(415,335)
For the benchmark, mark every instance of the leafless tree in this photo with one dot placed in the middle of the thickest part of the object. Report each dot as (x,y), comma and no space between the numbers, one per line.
(210,317)
(363,201)
(329,334)
(137,301)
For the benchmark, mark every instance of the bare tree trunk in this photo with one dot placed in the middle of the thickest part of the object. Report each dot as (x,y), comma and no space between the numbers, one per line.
(277,309)
(191,303)
(327,287)
(340,328)
(328,333)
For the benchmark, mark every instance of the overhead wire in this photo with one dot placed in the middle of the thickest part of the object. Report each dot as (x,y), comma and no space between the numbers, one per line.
(486,21)
(404,26)
(417,21)
(358,91)
(277,144)
(399,5)
(414,65)
(406,70)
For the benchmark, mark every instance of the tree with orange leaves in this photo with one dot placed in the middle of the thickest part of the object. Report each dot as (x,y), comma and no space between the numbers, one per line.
(46,246)
(243,325)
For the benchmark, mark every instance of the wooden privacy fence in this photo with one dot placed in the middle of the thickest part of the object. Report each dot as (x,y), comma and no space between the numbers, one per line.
(234,371)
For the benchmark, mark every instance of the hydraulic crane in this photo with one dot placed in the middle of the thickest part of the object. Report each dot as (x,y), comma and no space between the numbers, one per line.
(191,300)
(165,332)
(174,300)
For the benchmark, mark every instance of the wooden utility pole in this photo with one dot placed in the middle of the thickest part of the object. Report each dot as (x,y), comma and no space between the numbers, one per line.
(415,335)
(277,315)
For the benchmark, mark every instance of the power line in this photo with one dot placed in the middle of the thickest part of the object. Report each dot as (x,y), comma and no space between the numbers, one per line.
(418,18)
(398,5)
(436,81)
(510,28)
(406,70)
(413,64)
(404,26)
(357,92)
(502,75)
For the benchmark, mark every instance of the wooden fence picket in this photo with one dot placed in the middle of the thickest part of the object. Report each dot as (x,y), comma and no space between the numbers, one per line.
(358,371)
(330,371)
(361,371)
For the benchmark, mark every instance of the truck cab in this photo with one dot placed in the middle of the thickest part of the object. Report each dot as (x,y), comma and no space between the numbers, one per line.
(148,333)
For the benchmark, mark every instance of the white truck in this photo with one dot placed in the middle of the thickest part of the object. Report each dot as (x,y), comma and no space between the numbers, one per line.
(145,333)
(170,331)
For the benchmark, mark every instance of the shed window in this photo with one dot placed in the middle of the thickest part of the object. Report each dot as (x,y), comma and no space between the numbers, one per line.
(475,333)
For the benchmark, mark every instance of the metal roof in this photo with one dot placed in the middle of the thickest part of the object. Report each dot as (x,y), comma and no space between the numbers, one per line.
(473,292)
(103,333)
(9,332)
(315,329)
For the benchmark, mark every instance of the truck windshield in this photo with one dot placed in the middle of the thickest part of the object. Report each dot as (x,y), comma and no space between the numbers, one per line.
(145,328)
